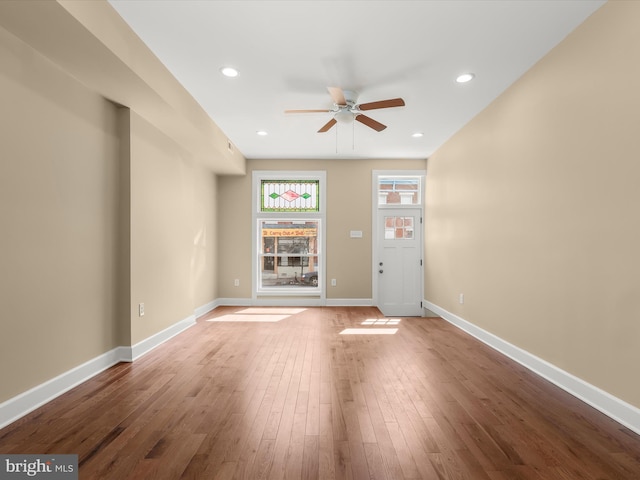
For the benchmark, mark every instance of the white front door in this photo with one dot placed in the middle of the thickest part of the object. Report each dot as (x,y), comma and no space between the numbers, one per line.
(398,262)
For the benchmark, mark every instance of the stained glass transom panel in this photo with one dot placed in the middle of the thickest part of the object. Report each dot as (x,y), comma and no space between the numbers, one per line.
(290,196)
(398,228)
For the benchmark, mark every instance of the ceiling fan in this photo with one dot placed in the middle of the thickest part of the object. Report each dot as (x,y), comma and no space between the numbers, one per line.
(345,107)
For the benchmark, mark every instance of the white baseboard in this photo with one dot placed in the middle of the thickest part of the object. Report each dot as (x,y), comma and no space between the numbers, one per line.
(18,406)
(234,302)
(206,308)
(145,346)
(287,302)
(294,302)
(24,403)
(615,408)
(349,302)
(271,302)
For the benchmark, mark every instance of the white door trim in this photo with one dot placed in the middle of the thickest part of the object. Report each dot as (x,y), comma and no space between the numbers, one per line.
(375,174)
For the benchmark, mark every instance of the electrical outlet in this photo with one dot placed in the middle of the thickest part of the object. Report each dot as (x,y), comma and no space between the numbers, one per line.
(141,309)
(461,298)
(333,282)
(236,282)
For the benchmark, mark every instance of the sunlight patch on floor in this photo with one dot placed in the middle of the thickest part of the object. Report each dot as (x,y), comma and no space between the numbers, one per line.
(381,321)
(234,317)
(271,310)
(368,331)
(258,314)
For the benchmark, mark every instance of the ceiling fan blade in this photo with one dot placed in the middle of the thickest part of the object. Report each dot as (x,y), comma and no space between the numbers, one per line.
(394,102)
(328,125)
(338,95)
(370,122)
(307,111)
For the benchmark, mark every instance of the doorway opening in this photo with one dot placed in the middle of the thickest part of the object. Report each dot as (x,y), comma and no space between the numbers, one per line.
(398,246)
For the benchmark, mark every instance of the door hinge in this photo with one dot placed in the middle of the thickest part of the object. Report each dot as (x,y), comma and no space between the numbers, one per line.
(420,219)
(420,262)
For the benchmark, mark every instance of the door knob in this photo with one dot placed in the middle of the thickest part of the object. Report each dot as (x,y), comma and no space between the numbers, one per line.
(380,263)
(380,270)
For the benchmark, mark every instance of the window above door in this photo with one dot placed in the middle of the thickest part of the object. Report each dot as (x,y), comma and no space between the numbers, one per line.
(397,190)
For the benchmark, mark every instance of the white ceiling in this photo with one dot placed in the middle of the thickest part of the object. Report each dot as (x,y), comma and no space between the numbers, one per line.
(288,52)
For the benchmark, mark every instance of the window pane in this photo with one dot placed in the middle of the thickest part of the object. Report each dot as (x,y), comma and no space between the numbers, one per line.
(268,245)
(289,256)
(398,190)
(398,228)
(294,244)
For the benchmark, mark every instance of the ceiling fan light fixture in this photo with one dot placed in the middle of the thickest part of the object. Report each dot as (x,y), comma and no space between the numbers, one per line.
(465,77)
(229,72)
(344,116)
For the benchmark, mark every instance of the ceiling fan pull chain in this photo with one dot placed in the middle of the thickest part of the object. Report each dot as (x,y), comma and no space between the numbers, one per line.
(353,136)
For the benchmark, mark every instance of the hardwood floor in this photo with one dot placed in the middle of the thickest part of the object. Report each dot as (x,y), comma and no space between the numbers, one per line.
(287,396)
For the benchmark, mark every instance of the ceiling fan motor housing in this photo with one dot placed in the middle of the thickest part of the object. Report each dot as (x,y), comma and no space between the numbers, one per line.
(350,96)
(346,113)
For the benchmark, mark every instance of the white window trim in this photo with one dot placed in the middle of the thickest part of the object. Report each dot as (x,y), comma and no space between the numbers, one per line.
(258,175)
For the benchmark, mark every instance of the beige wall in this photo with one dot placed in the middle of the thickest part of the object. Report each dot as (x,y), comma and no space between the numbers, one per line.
(99,211)
(58,220)
(172,232)
(532,208)
(204,254)
(348,208)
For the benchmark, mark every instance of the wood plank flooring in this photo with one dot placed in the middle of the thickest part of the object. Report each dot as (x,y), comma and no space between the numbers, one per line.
(276,393)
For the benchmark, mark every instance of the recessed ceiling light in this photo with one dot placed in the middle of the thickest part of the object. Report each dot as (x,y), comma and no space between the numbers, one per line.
(465,77)
(262,133)
(229,72)
(417,135)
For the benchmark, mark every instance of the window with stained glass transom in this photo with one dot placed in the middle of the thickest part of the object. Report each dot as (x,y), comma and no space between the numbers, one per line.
(289,214)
